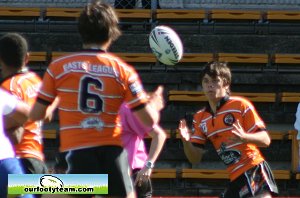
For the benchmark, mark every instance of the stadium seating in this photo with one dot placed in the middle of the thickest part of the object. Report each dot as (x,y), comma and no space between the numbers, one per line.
(64,13)
(164,173)
(243,58)
(49,134)
(282,15)
(192,18)
(287,58)
(171,14)
(239,21)
(38,57)
(197,57)
(38,61)
(221,14)
(287,62)
(175,95)
(280,21)
(20,13)
(134,14)
(290,97)
(15,18)
(245,62)
(222,174)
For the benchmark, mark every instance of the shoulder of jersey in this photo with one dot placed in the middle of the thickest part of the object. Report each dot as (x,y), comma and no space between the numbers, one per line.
(241,99)
(201,110)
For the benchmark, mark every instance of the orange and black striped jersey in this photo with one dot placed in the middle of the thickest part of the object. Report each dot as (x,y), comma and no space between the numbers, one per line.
(237,156)
(25,85)
(91,86)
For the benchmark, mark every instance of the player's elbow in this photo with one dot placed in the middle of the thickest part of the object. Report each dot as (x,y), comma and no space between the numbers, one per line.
(163,135)
(267,142)
(160,132)
(194,155)
(146,118)
(194,159)
(38,112)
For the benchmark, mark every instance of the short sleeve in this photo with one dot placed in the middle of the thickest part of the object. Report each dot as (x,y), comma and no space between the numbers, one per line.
(134,90)
(198,136)
(48,91)
(252,122)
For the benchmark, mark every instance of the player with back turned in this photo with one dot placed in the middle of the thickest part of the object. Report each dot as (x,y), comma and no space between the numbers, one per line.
(92,85)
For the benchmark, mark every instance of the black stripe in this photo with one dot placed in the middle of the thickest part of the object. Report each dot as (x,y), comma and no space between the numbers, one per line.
(154,38)
(42,101)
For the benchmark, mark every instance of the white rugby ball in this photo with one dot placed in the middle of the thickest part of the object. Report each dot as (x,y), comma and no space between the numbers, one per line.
(166,45)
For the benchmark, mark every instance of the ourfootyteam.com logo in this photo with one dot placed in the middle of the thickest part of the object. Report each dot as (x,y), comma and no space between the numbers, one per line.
(52,184)
(58,184)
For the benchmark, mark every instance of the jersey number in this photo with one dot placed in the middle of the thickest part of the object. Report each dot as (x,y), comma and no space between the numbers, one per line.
(89,101)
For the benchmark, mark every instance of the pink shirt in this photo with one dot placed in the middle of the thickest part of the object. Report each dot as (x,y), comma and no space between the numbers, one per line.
(133,132)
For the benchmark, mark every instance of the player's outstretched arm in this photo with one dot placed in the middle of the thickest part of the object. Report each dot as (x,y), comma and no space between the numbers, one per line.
(150,114)
(260,138)
(51,109)
(158,139)
(17,117)
(38,111)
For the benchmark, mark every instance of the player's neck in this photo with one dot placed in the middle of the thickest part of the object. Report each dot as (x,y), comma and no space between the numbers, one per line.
(213,106)
(11,71)
(94,46)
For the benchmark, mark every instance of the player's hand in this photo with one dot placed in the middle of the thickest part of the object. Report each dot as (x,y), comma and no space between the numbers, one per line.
(142,176)
(184,131)
(239,131)
(156,99)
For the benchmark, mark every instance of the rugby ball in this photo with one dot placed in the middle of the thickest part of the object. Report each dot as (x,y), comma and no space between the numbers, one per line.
(166,45)
(51,181)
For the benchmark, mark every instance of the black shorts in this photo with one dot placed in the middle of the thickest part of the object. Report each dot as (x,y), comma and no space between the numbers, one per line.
(111,160)
(145,190)
(33,166)
(255,181)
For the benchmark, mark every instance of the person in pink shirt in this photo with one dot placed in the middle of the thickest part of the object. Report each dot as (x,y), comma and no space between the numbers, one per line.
(141,163)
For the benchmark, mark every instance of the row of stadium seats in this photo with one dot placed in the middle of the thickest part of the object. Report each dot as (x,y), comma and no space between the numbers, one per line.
(211,21)
(199,14)
(159,13)
(192,57)
(259,62)
(198,96)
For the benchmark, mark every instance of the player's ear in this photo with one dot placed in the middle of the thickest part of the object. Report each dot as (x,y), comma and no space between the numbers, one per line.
(226,83)
(26,59)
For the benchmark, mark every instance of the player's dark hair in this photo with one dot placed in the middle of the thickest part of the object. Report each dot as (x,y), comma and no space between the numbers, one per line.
(98,23)
(13,50)
(215,69)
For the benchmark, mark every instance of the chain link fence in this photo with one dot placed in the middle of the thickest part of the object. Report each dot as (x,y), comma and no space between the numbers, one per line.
(164,4)
(130,4)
